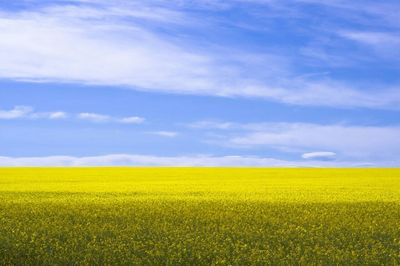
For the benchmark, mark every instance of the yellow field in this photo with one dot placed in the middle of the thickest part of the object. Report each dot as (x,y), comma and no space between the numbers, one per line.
(199,216)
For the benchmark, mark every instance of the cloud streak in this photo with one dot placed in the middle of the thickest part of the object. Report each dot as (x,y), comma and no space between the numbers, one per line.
(93,117)
(166,134)
(28,112)
(146,160)
(100,118)
(16,112)
(20,112)
(318,155)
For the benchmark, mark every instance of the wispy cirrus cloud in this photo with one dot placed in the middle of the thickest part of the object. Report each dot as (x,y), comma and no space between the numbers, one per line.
(365,12)
(372,38)
(141,46)
(112,50)
(383,43)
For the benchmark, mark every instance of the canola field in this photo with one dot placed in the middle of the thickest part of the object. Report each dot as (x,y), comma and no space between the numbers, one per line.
(199,216)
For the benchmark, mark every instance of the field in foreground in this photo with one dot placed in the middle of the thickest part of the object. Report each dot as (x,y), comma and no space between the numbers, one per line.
(199,216)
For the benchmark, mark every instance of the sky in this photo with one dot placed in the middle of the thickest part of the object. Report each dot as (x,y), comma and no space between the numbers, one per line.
(297,83)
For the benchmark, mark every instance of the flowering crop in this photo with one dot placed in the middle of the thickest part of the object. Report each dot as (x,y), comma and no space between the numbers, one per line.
(199,216)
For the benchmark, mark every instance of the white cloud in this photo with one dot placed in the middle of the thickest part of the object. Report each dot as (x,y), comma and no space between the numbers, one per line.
(366,13)
(110,44)
(19,112)
(16,112)
(167,134)
(72,47)
(319,155)
(145,160)
(132,10)
(372,38)
(100,118)
(93,117)
(28,112)
(131,120)
(383,44)
(212,124)
(58,115)
(49,115)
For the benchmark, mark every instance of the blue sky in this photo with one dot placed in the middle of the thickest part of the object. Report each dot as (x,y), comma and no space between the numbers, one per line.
(243,83)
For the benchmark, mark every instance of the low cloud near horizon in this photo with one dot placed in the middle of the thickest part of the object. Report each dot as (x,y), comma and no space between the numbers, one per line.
(319,155)
(196,160)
